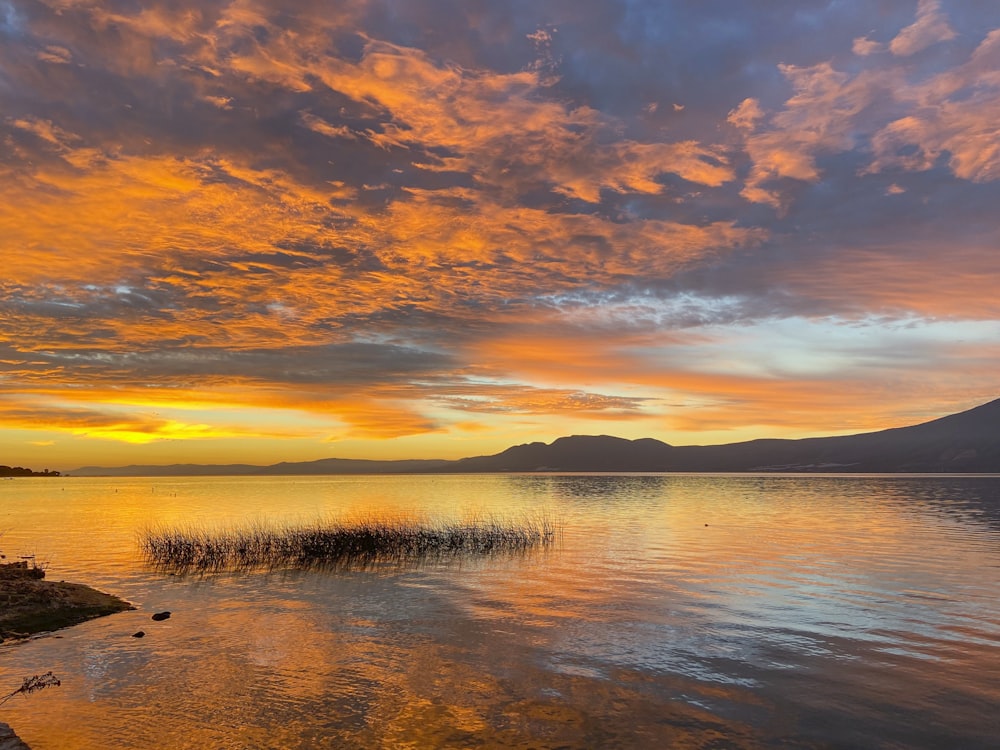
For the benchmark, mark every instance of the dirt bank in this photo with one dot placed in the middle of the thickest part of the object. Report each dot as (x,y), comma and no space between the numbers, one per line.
(30,604)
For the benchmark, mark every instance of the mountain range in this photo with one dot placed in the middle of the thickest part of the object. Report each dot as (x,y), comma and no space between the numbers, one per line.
(965,442)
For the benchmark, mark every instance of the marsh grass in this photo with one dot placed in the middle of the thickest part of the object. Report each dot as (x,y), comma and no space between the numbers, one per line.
(336,544)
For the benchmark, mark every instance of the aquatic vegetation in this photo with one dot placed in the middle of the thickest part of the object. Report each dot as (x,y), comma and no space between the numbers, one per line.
(340,544)
(32,685)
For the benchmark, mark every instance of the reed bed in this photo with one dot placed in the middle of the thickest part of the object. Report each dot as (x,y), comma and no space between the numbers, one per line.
(339,544)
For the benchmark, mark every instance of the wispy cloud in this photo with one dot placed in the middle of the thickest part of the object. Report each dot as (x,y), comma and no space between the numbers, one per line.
(930,27)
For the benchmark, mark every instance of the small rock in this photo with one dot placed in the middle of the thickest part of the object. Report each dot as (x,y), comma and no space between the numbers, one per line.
(161,616)
(9,740)
(138,634)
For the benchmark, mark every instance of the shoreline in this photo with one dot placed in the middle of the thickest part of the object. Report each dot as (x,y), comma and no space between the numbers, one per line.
(9,740)
(32,605)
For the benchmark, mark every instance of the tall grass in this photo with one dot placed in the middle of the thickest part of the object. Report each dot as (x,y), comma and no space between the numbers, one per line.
(339,544)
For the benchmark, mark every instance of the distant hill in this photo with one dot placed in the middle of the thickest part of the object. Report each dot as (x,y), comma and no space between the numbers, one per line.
(10,472)
(576,453)
(964,442)
(320,467)
(170,470)
(356,466)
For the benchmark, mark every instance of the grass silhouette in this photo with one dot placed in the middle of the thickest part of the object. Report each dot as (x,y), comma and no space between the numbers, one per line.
(339,544)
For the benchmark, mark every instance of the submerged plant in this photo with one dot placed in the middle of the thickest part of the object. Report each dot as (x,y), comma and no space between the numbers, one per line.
(338,544)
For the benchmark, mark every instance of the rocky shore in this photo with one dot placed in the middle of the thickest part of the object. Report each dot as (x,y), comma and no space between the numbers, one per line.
(30,604)
(9,740)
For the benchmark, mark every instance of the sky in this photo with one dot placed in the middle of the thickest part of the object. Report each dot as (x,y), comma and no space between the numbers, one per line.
(255,231)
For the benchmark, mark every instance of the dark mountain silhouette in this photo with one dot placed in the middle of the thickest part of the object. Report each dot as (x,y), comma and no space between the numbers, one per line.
(356,466)
(576,453)
(170,470)
(964,442)
(19,471)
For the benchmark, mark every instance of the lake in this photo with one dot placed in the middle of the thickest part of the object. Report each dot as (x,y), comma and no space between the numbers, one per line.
(686,611)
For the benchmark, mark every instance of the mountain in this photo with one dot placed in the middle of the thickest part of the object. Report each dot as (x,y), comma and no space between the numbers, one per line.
(355,466)
(964,442)
(9,472)
(301,468)
(170,470)
(576,453)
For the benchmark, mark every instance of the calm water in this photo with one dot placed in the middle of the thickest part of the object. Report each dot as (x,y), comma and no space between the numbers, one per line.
(681,611)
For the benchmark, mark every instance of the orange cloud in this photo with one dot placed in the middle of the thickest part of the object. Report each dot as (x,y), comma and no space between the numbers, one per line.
(104,424)
(894,280)
(930,27)
(494,125)
(948,121)
(951,113)
(255,216)
(818,118)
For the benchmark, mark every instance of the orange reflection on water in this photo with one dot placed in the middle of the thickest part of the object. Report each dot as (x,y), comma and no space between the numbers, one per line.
(686,610)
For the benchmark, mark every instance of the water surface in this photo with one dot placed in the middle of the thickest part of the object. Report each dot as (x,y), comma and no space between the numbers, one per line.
(702,611)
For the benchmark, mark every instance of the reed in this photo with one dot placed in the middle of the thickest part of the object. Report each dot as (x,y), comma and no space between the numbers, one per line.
(339,544)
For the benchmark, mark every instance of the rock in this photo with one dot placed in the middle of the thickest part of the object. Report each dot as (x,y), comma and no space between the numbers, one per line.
(40,606)
(21,569)
(161,616)
(9,740)
(138,634)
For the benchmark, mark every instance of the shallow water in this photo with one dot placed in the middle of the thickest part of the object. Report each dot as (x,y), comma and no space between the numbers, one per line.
(685,611)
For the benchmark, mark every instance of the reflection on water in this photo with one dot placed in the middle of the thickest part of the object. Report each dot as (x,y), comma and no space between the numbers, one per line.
(736,611)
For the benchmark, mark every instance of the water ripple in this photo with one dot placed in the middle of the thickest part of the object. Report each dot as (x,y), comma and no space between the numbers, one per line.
(703,611)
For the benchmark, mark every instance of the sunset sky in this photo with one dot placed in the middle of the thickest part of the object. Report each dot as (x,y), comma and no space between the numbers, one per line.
(260,231)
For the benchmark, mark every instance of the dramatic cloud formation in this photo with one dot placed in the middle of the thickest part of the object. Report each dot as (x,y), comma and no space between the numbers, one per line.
(243,230)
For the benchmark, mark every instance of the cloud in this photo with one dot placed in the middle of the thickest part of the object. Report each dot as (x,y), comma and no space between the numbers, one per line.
(930,28)
(955,117)
(948,113)
(864,46)
(321,126)
(116,425)
(377,219)
(894,282)
(55,55)
(46,131)
(10,19)
(517,399)
(746,115)
(498,130)
(222,102)
(819,118)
